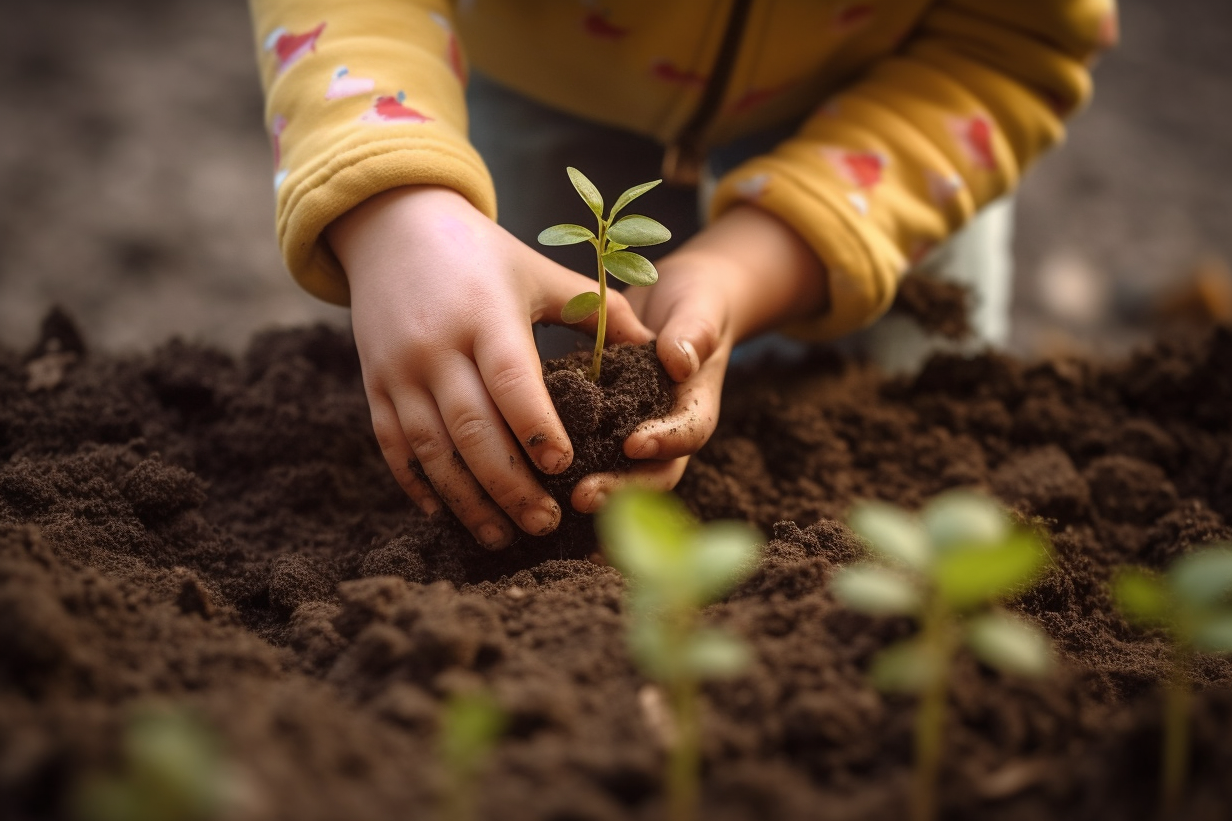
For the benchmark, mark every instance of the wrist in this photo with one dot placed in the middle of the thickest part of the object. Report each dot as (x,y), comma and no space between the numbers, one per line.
(385,226)
(762,270)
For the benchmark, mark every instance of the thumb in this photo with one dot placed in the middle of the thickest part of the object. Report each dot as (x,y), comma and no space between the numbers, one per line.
(690,335)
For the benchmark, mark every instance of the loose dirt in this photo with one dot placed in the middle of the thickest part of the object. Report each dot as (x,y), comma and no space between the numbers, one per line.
(222,534)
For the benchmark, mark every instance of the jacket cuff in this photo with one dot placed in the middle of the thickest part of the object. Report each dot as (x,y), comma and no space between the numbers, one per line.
(860,267)
(361,168)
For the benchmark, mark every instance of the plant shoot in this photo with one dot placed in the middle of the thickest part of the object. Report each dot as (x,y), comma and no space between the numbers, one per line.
(676,566)
(944,567)
(173,770)
(470,726)
(1192,604)
(610,244)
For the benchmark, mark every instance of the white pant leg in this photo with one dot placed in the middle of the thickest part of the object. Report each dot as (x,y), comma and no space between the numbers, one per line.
(980,258)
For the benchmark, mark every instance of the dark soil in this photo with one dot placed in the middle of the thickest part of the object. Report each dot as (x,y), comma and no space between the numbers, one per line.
(223,534)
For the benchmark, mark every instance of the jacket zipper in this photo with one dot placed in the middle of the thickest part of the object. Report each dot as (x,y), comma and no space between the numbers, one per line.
(684,157)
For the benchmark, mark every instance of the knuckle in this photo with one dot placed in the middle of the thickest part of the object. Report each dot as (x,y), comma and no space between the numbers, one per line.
(426,446)
(508,379)
(471,430)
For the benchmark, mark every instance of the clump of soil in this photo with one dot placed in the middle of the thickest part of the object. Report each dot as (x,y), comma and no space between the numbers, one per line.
(938,306)
(598,416)
(222,533)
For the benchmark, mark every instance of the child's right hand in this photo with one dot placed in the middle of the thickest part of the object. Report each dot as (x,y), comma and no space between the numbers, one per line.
(442,303)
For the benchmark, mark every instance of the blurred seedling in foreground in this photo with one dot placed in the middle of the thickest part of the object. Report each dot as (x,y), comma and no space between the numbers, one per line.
(471,725)
(1192,604)
(675,567)
(944,568)
(172,770)
(613,237)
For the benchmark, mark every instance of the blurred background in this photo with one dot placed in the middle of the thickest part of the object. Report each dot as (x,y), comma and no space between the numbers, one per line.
(136,184)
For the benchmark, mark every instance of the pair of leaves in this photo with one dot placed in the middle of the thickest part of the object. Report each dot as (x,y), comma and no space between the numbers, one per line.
(591,196)
(674,562)
(998,639)
(675,567)
(626,266)
(1192,601)
(962,546)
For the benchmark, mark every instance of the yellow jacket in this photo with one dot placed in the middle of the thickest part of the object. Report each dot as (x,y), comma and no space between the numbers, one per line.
(916,112)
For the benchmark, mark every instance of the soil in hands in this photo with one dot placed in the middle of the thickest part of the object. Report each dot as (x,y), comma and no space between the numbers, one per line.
(223,534)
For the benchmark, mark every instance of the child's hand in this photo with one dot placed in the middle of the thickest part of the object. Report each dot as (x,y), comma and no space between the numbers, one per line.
(744,274)
(442,302)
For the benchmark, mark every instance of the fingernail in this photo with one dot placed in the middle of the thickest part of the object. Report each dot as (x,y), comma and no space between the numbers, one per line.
(541,520)
(430,507)
(691,354)
(597,501)
(492,536)
(552,460)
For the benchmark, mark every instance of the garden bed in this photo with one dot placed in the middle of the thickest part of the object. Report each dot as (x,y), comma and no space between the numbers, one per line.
(222,534)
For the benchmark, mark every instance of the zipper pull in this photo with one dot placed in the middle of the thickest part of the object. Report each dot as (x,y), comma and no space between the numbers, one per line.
(682,163)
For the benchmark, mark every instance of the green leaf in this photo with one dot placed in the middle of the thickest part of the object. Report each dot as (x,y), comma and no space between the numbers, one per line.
(722,555)
(1214,635)
(906,667)
(470,725)
(587,191)
(580,307)
(970,575)
(892,533)
(1141,597)
(565,234)
(715,654)
(649,648)
(877,590)
(1010,644)
(1203,578)
(645,535)
(630,195)
(635,230)
(629,267)
(961,518)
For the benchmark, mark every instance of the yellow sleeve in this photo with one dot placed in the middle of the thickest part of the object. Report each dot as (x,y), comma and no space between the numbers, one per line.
(904,156)
(361,96)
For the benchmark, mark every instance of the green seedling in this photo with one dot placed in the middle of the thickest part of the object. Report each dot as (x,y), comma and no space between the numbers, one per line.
(676,566)
(1192,604)
(471,724)
(613,237)
(944,567)
(172,770)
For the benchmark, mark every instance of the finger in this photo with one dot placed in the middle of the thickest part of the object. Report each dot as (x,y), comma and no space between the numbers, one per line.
(444,468)
(488,454)
(689,335)
(510,368)
(692,420)
(592,492)
(399,456)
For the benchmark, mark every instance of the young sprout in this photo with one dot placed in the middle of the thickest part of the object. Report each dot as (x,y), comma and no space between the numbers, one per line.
(676,566)
(944,567)
(470,726)
(173,770)
(1192,605)
(631,231)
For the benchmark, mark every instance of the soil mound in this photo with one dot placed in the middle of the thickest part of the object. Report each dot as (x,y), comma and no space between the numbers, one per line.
(221,534)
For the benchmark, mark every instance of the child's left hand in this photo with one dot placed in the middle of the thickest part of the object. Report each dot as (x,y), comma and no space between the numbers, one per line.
(744,274)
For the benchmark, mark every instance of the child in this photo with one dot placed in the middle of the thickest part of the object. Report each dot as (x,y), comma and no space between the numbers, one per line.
(870,132)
